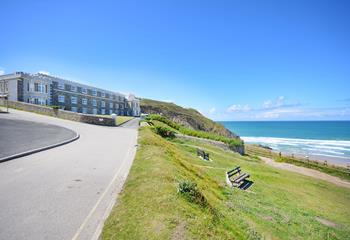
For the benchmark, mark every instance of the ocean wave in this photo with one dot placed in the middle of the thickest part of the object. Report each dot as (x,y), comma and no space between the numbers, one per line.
(273,140)
(330,148)
(329,155)
(324,151)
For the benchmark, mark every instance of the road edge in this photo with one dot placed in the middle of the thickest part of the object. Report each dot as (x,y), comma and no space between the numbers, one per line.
(26,153)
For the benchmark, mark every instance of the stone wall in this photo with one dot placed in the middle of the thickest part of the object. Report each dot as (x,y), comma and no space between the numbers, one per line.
(45,110)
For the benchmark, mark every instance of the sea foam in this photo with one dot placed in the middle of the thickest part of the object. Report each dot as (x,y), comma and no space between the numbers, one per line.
(330,148)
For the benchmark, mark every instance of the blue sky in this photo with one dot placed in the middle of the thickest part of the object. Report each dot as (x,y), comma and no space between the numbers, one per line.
(232,60)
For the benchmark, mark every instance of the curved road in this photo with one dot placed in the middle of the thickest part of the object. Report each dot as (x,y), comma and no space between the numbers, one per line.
(18,136)
(65,192)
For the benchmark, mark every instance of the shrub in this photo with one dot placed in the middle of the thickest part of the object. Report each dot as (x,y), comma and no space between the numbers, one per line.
(232,142)
(191,193)
(165,132)
(55,107)
(163,120)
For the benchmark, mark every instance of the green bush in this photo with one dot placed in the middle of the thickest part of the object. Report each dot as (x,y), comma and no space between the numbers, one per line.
(55,107)
(165,132)
(191,193)
(232,142)
(163,120)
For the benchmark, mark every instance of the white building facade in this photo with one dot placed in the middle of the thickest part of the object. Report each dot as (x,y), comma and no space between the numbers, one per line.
(44,89)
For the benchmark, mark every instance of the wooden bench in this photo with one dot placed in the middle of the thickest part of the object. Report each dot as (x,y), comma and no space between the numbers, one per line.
(235,177)
(201,153)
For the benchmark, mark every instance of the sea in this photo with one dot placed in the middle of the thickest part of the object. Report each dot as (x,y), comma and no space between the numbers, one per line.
(320,140)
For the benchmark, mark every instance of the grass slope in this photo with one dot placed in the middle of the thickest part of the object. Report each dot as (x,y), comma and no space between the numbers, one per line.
(279,205)
(187,117)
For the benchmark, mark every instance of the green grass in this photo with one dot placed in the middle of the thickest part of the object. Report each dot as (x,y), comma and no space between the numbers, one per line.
(123,119)
(279,205)
(119,119)
(195,133)
(336,171)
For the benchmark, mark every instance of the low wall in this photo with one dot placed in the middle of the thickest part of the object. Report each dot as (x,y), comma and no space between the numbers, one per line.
(239,149)
(68,115)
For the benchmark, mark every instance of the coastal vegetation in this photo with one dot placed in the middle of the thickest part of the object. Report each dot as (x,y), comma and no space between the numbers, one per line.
(171,193)
(337,171)
(187,117)
(155,119)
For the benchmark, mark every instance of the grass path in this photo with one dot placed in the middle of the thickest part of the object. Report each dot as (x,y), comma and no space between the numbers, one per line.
(307,172)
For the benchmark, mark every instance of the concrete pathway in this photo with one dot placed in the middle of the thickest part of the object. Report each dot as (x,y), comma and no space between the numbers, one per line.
(68,191)
(307,172)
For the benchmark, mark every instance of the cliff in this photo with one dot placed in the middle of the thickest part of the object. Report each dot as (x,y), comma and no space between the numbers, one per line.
(187,117)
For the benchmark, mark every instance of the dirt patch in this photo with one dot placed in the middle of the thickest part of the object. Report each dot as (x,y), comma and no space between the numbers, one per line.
(158,227)
(268,218)
(307,172)
(326,222)
(180,232)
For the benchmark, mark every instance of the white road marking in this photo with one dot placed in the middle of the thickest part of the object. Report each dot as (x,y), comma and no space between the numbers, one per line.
(80,229)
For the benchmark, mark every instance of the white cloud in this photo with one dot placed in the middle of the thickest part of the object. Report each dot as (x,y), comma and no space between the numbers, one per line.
(278,102)
(2,72)
(279,112)
(212,110)
(44,72)
(238,108)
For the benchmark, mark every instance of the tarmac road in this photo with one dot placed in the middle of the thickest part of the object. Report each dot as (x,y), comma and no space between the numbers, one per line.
(65,192)
(18,136)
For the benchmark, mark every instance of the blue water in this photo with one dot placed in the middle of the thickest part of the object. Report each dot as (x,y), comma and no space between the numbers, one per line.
(317,139)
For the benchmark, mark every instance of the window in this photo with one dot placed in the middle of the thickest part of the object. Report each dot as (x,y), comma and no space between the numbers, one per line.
(110,105)
(103,112)
(40,87)
(74,100)
(94,102)
(60,86)
(73,88)
(2,86)
(84,101)
(94,93)
(74,109)
(103,94)
(103,104)
(83,90)
(111,96)
(94,111)
(61,98)
(84,110)
(40,101)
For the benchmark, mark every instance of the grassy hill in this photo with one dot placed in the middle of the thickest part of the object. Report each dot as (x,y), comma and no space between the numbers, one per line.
(187,117)
(279,204)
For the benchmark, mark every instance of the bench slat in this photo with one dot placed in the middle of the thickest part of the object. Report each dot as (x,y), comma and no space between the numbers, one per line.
(241,178)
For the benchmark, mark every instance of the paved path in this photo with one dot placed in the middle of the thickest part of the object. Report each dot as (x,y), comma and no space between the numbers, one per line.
(65,192)
(307,172)
(18,136)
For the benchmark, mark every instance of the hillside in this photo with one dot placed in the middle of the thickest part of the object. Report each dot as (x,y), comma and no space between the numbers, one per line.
(187,117)
(171,193)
